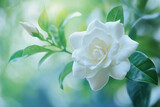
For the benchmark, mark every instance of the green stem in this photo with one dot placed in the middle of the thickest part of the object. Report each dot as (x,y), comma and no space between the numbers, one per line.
(64,50)
(51,38)
(52,44)
(67,51)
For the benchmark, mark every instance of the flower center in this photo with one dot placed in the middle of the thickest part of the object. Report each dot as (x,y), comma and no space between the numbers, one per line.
(98,52)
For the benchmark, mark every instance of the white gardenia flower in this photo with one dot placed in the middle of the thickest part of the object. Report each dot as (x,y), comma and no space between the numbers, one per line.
(29,27)
(100,52)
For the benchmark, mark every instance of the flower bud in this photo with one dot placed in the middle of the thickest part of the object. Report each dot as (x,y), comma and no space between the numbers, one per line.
(29,28)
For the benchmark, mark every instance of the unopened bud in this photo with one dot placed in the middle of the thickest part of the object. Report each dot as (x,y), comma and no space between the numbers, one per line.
(29,28)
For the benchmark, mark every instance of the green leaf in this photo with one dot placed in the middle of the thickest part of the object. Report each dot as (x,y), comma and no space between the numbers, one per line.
(116,14)
(133,33)
(44,58)
(141,5)
(142,69)
(33,49)
(16,56)
(38,35)
(53,31)
(139,92)
(83,26)
(28,51)
(62,36)
(61,17)
(66,71)
(43,21)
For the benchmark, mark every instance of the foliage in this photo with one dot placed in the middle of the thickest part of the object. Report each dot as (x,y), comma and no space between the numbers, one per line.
(142,69)
(56,38)
(139,93)
(43,21)
(66,71)
(116,14)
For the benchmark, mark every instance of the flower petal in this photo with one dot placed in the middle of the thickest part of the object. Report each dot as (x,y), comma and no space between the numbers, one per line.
(91,73)
(107,62)
(78,70)
(76,39)
(99,80)
(81,56)
(113,49)
(96,33)
(81,71)
(119,71)
(111,54)
(115,28)
(96,23)
(127,47)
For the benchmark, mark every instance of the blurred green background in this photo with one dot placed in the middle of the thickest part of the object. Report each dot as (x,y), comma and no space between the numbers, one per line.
(22,84)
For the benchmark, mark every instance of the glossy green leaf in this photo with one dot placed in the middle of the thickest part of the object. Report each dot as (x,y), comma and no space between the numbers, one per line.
(116,14)
(33,49)
(133,33)
(139,92)
(66,71)
(142,69)
(43,21)
(16,56)
(44,58)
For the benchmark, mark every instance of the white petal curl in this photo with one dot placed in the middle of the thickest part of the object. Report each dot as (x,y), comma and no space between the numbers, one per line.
(115,29)
(120,70)
(81,56)
(96,24)
(96,33)
(99,80)
(127,47)
(78,70)
(76,39)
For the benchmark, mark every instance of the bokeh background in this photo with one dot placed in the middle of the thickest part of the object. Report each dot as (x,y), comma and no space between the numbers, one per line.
(23,84)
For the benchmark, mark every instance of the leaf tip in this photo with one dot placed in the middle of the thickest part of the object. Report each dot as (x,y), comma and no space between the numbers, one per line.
(60,81)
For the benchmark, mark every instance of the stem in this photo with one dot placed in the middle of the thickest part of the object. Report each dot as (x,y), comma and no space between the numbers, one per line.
(51,38)
(52,44)
(64,50)
(67,51)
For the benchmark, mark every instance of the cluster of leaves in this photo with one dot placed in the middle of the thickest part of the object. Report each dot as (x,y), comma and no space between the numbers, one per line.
(55,38)
(140,90)
(142,70)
